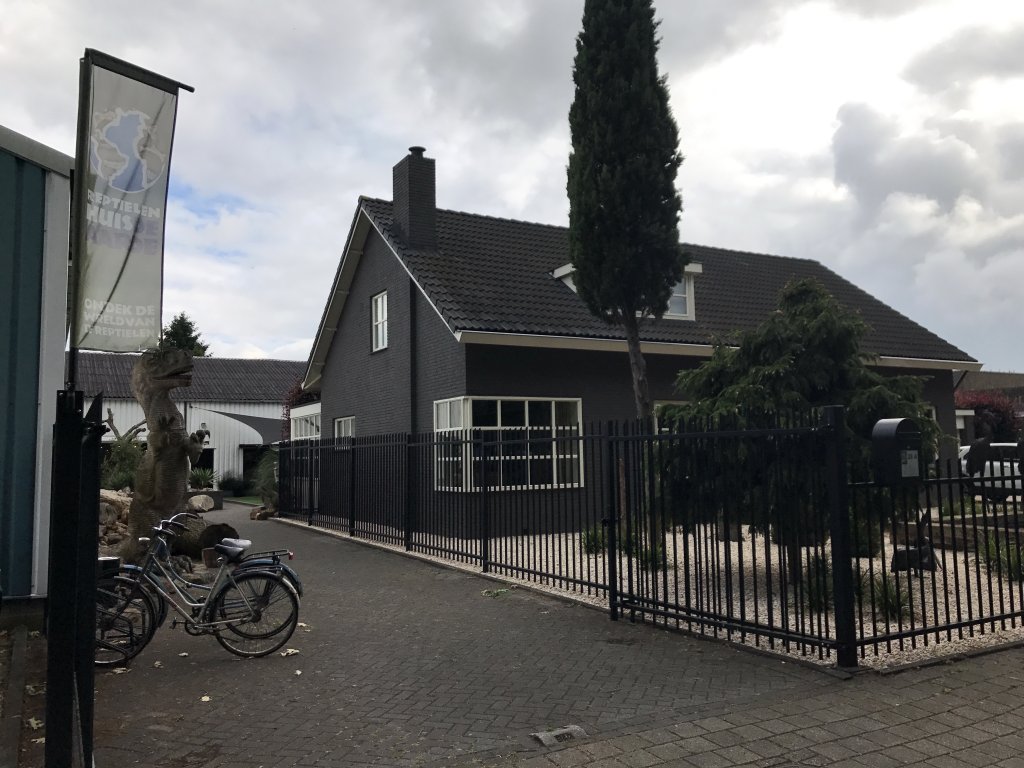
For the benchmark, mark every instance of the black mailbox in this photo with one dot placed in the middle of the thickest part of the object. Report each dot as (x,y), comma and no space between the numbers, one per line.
(896,452)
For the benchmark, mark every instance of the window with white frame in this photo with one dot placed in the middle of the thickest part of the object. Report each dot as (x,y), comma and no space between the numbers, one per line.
(345,426)
(305,427)
(680,304)
(379,318)
(509,443)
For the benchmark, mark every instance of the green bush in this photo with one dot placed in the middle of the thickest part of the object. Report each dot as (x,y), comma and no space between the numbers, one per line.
(233,484)
(595,540)
(890,598)
(202,478)
(650,559)
(865,536)
(1004,558)
(120,464)
(818,582)
(264,480)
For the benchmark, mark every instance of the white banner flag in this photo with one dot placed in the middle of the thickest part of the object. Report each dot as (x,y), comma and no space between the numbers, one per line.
(118,267)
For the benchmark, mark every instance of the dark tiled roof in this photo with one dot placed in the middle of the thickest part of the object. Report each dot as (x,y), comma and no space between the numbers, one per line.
(491,274)
(214,379)
(998,380)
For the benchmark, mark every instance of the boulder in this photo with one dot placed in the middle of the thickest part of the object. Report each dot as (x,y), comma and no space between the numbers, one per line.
(201,503)
(212,534)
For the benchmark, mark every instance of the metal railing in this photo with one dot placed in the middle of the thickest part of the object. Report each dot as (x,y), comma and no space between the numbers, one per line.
(749,530)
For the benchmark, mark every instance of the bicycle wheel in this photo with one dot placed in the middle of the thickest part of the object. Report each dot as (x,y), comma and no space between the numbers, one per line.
(125,620)
(162,609)
(262,610)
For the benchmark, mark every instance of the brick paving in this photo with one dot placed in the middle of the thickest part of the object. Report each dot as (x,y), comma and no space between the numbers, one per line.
(408,664)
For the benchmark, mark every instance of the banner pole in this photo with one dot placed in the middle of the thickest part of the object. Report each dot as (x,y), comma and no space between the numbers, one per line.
(80,174)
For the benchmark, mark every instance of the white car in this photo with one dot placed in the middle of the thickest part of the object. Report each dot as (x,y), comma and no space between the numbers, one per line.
(999,477)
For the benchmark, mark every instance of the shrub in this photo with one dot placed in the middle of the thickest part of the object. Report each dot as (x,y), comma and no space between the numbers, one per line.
(202,478)
(890,598)
(595,540)
(648,558)
(994,414)
(1004,558)
(818,582)
(264,480)
(865,536)
(120,464)
(233,484)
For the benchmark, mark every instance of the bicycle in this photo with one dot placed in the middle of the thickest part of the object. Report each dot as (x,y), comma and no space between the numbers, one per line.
(250,611)
(270,560)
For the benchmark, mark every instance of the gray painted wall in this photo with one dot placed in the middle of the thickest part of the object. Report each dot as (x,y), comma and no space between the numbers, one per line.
(34,210)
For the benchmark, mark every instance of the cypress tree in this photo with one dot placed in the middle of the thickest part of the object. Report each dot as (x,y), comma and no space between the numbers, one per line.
(182,333)
(623,204)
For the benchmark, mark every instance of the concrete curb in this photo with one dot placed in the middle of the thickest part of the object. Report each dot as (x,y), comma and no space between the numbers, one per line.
(10,726)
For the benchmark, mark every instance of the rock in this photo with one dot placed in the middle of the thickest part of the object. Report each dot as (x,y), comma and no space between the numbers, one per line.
(108,513)
(212,534)
(201,503)
(254,513)
(113,538)
(262,513)
(119,500)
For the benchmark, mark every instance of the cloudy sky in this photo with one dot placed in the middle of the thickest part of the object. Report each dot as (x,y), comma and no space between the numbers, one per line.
(884,138)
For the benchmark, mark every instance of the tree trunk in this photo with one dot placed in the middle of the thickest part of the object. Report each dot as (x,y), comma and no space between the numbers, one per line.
(638,367)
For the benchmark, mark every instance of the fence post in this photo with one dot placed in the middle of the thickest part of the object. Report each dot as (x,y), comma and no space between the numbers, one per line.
(839,519)
(85,596)
(351,486)
(485,510)
(611,523)
(60,606)
(410,491)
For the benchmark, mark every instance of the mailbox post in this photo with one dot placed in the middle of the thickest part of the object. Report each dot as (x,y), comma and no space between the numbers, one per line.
(896,452)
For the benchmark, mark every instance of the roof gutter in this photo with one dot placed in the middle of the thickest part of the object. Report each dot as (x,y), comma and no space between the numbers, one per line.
(545,341)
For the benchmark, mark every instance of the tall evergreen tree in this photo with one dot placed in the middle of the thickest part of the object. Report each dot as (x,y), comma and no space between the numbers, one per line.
(623,204)
(181,333)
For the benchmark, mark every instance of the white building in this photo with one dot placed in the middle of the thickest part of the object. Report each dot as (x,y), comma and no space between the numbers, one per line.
(239,402)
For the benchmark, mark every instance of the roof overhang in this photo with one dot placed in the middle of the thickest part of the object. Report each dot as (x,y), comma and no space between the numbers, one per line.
(358,232)
(543,341)
(362,225)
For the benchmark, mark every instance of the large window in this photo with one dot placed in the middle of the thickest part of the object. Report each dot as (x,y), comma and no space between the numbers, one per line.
(509,443)
(345,426)
(379,314)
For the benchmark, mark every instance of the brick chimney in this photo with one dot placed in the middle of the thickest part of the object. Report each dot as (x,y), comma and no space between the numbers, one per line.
(415,201)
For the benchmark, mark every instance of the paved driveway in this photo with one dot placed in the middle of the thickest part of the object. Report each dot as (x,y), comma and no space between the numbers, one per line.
(406,663)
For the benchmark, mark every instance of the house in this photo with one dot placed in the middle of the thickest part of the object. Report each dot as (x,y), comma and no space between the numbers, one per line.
(34,213)
(239,402)
(439,320)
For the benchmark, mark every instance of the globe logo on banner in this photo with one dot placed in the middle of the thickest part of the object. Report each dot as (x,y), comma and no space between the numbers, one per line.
(123,151)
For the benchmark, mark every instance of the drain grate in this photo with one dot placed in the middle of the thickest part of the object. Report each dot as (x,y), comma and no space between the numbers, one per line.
(559,735)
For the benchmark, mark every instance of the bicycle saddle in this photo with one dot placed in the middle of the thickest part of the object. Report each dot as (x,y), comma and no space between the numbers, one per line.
(232,549)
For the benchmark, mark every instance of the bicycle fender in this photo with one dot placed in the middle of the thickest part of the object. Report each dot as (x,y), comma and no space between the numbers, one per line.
(266,564)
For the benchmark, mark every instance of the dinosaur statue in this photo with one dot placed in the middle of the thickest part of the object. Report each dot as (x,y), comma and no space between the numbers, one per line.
(162,476)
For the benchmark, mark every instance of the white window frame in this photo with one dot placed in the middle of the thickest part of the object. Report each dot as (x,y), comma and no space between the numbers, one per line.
(454,417)
(379,321)
(345,426)
(683,288)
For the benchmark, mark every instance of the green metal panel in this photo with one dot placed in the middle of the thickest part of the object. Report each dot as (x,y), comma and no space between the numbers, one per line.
(22,208)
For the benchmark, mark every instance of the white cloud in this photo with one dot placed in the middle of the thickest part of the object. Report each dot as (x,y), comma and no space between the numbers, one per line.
(912,190)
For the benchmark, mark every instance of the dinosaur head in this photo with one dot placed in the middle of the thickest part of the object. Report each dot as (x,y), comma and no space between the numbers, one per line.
(161,369)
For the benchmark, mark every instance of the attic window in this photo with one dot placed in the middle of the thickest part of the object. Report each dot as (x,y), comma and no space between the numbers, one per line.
(680,305)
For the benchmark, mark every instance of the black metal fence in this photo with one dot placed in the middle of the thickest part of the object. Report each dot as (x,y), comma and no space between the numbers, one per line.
(71,601)
(751,533)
